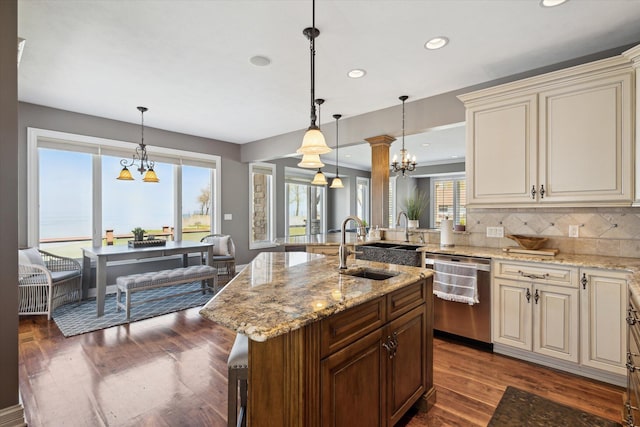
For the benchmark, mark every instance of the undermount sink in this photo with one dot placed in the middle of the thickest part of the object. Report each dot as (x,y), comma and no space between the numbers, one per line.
(369,273)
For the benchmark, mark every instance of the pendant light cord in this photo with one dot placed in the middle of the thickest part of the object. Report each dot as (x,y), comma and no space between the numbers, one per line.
(312,36)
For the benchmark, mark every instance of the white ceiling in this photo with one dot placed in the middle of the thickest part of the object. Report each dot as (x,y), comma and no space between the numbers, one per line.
(188,61)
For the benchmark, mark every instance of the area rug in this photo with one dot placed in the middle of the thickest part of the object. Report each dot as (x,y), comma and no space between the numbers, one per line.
(80,318)
(520,408)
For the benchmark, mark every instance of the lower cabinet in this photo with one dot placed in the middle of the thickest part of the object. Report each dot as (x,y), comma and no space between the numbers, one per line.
(537,317)
(562,316)
(603,311)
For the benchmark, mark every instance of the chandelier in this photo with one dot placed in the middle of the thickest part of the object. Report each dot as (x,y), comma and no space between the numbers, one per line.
(313,141)
(336,182)
(406,164)
(140,160)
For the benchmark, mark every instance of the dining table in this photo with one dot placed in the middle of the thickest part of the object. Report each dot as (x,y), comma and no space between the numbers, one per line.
(102,255)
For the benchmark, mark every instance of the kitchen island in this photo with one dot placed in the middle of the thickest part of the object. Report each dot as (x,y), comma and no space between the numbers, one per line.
(329,347)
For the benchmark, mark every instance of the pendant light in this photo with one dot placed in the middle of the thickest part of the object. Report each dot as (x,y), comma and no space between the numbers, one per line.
(319,178)
(406,164)
(337,182)
(313,160)
(140,159)
(313,141)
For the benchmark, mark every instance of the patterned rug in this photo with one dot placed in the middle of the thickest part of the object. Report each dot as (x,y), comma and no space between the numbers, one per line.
(522,409)
(80,318)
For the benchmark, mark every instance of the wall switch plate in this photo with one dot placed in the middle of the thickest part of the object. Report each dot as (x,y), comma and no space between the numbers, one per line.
(495,231)
(574,231)
(228,217)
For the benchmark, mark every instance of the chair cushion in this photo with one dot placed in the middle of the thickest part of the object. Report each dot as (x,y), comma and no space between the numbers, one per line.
(239,356)
(30,256)
(220,245)
(59,276)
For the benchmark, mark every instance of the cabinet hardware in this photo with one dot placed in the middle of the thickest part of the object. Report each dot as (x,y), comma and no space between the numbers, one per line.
(533,276)
(391,345)
(542,191)
(632,319)
(533,192)
(536,297)
(630,366)
(584,281)
(528,295)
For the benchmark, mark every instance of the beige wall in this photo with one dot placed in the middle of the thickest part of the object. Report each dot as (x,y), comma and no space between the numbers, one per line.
(8,206)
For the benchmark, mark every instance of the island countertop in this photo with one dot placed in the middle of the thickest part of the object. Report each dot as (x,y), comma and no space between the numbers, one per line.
(280,292)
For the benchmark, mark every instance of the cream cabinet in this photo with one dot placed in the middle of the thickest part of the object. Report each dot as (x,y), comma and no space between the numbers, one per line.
(536,310)
(603,303)
(563,138)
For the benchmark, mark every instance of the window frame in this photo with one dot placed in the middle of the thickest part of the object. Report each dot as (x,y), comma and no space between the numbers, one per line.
(455,178)
(97,147)
(366,203)
(304,177)
(271,216)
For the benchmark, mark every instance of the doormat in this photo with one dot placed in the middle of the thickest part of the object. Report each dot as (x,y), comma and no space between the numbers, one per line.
(79,318)
(520,408)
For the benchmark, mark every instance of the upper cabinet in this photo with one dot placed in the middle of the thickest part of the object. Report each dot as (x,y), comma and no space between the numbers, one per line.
(562,139)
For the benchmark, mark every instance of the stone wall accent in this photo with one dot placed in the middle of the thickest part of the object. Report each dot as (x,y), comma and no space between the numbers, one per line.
(259,220)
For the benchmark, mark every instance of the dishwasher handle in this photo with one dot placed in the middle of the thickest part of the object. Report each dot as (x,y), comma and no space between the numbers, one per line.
(429,262)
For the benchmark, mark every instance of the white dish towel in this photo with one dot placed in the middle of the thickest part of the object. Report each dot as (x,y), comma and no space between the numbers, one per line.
(454,281)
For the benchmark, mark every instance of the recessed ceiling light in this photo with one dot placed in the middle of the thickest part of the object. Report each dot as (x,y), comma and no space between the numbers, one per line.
(356,73)
(347,155)
(551,3)
(425,144)
(260,61)
(454,157)
(436,43)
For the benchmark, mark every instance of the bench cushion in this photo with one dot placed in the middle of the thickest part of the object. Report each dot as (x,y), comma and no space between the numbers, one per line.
(184,275)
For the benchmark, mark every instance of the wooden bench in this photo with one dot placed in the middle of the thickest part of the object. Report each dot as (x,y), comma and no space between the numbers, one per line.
(159,279)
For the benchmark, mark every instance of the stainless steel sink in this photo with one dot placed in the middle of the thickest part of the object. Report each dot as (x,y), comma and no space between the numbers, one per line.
(369,273)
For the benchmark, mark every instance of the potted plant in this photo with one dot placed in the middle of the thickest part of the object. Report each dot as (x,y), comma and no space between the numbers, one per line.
(414,206)
(138,234)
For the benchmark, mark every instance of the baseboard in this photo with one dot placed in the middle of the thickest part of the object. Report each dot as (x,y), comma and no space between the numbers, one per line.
(561,365)
(13,416)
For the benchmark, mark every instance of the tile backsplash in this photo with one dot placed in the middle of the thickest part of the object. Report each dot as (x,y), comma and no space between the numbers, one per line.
(601,231)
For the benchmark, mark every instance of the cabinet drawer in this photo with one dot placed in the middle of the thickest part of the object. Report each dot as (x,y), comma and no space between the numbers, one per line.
(344,328)
(552,274)
(405,299)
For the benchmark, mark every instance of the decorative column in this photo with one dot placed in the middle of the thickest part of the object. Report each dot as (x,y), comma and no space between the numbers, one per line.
(380,179)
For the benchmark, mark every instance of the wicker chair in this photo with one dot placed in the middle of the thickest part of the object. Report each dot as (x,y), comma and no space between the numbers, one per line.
(224,258)
(47,281)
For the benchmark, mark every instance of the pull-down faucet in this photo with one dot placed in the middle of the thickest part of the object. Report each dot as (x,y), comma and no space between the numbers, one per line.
(344,251)
(406,224)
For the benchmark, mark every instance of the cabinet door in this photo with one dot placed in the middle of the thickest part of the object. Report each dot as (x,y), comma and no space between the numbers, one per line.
(353,383)
(585,141)
(407,362)
(555,321)
(603,303)
(501,138)
(512,310)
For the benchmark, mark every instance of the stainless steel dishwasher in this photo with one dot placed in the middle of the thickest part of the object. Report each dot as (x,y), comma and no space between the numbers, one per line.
(468,321)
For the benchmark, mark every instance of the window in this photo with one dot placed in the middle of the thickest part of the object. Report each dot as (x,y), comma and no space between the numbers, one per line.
(362,202)
(75,201)
(261,202)
(392,200)
(305,212)
(449,199)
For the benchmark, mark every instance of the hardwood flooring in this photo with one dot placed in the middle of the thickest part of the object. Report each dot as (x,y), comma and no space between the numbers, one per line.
(171,371)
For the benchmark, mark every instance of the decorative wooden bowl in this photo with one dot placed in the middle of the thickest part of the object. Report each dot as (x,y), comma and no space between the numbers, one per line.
(528,242)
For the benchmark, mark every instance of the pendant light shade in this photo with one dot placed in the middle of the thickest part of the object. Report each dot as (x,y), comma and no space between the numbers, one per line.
(125,175)
(311,161)
(150,176)
(319,179)
(337,182)
(313,141)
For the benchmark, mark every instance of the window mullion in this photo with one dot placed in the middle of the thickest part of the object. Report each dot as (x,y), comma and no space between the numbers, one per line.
(96,214)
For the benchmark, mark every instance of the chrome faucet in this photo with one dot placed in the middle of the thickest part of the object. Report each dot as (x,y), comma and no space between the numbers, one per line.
(344,251)
(406,224)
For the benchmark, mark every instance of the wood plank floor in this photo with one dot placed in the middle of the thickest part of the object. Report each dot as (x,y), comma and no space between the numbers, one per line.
(171,371)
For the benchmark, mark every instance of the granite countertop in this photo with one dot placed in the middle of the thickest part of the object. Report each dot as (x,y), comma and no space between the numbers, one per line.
(282,291)
(328,239)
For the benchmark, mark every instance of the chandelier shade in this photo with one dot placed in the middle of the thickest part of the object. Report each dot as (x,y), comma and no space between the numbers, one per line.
(140,159)
(311,161)
(406,163)
(313,141)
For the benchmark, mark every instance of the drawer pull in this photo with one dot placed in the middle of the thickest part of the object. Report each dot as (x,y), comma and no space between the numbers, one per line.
(584,281)
(528,295)
(533,276)
(533,192)
(630,366)
(632,319)
(391,345)
(536,297)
